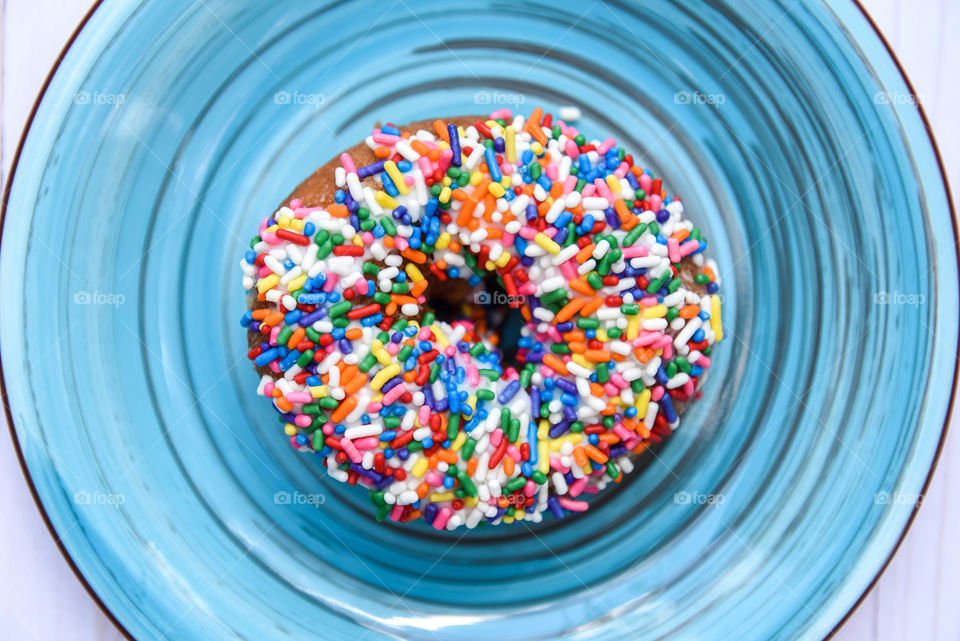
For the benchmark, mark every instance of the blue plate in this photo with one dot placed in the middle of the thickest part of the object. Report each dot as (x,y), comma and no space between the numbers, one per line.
(169,128)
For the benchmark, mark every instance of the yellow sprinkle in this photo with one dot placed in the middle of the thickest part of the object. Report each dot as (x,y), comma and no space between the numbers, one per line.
(384,200)
(297,224)
(459,441)
(447,181)
(602,335)
(496,189)
(444,196)
(536,148)
(581,361)
(296,283)
(471,501)
(443,241)
(506,181)
(283,221)
(476,177)
(419,468)
(385,375)
(511,144)
(573,439)
(546,242)
(415,274)
(438,497)
(642,401)
(290,429)
(633,327)
(318,391)
(273,228)
(613,183)
(267,282)
(715,318)
(544,456)
(391,168)
(489,266)
(358,240)
(376,347)
(503,260)
(543,431)
(439,335)
(656,311)
(508,519)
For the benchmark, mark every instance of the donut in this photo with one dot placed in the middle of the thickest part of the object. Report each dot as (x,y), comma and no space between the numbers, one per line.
(482,320)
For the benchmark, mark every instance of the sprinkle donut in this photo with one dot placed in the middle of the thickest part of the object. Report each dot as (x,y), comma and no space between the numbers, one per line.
(481,320)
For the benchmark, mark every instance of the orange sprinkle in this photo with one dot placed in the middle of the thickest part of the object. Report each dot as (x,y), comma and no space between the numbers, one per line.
(273,318)
(441,128)
(581,286)
(283,405)
(390,309)
(597,355)
(418,146)
(347,372)
(689,311)
(400,299)
(260,314)
(709,273)
(597,390)
(423,489)
(681,235)
(415,255)
(508,465)
(346,406)
(555,364)
(388,241)
(338,211)
(580,456)
(595,304)
(353,333)
(355,383)
(574,335)
(382,152)
(577,347)
(569,309)
(585,253)
(434,154)
(419,287)
(298,334)
(472,465)
(448,457)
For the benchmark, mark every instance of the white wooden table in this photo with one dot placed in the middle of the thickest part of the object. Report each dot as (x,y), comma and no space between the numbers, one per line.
(918,597)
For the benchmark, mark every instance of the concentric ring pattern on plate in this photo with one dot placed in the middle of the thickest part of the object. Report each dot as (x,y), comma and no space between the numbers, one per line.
(170,128)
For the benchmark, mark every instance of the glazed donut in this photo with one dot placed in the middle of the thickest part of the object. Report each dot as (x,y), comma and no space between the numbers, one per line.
(480,319)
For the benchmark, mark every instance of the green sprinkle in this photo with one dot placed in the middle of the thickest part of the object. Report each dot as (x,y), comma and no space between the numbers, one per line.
(340,309)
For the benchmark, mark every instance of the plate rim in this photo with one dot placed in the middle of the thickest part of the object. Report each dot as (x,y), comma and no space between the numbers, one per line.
(71,563)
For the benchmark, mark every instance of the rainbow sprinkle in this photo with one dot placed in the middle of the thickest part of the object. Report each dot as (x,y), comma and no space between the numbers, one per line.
(620,307)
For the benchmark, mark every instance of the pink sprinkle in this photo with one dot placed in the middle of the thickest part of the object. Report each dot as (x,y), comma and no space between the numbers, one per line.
(394,394)
(446,157)
(603,189)
(619,381)
(588,191)
(385,139)
(348,164)
(635,251)
(576,488)
(622,170)
(569,270)
(366,443)
(299,397)
(530,488)
(703,361)
(655,202)
(656,393)
(689,247)
(450,351)
(441,521)
(496,436)
(424,414)
(425,333)
(688,388)
(296,202)
(571,148)
(327,429)
(332,279)
(569,184)
(268,389)
(396,513)
(401,243)
(293,443)
(361,286)
(504,113)
(351,450)
(408,180)
(527,232)
(392,348)
(425,167)
(610,389)
(367,238)
(514,452)
(673,249)
(605,146)
(473,376)
(264,271)
(274,332)
(552,171)
(645,182)
(622,432)
(433,478)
